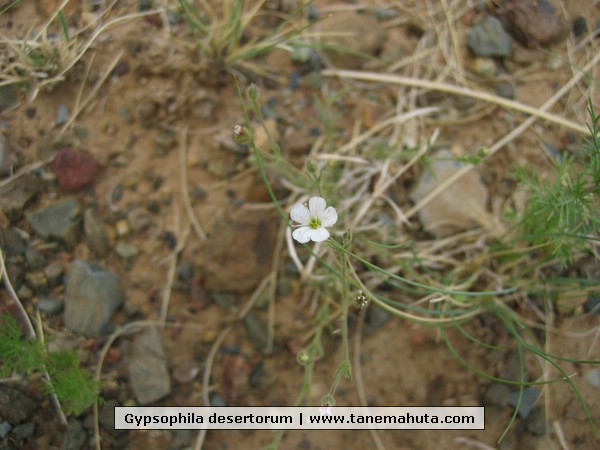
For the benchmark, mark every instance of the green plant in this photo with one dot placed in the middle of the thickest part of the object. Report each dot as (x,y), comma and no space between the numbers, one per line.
(420,281)
(563,214)
(73,385)
(226,40)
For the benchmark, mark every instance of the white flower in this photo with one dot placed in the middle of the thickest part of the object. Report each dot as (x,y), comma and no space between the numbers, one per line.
(326,410)
(313,220)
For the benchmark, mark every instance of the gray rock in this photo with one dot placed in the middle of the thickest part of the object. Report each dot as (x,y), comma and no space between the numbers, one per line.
(51,306)
(377,317)
(488,38)
(15,407)
(63,114)
(593,378)
(92,296)
(4,429)
(148,373)
(54,272)
(75,437)
(8,97)
(497,394)
(95,235)
(536,422)
(528,401)
(60,221)
(506,90)
(257,330)
(12,242)
(15,196)
(24,431)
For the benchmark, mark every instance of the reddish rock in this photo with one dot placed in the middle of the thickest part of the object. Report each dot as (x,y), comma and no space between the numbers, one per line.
(74,169)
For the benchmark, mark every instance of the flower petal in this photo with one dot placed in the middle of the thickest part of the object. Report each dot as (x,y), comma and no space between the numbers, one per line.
(329,217)
(302,234)
(316,205)
(300,214)
(320,234)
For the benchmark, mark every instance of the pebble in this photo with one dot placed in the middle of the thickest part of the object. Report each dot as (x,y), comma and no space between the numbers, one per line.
(74,169)
(535,23)
(593,305)
(497,394)
(8,97)
(7,157)
(164,141)
(505,89)
(186,372)
(51,306)
(63,115)
(148,372)
(36,280)
(35,260)
(377,317)
(127,251)
(15,196)
(95,234)
(4,429)
(15,406)
(488,38)
(92,296)
(528,401)
(74,437)
(122,227)
(12,241)
(54,272)
(536,422)
(60,221)
(139,218)
(580,26)
(484,67)
(593,378)
(460,206)
(257,330)
(24,431)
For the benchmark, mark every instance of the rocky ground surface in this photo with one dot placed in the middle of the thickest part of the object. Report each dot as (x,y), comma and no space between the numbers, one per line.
(97,238)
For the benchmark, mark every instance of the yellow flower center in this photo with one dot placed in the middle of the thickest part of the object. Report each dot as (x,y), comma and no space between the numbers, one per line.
(315,223)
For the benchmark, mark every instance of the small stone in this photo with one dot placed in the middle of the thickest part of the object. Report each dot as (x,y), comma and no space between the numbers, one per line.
(592,305)
(487,38)
(63,115)
(15,196)
(257,331)
(593,378)
(51,306)
(536,422)
(139,218)
(460,206)
(54,272)
(24,292)
(127,251)
(186,372)
(580,26)
(377,317)
(484,67)
(35,260)
(8,97)
(60,221)
(528,401)
(92,295)
(4,429)
(74,169)
(15,407)
(24,431)
(122,227)
(505,89)
(74,437)
(535,23)
(125,114)
(148,372)
(36,280)
(12,241)
(95,234)
(164,141)
(496,395)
